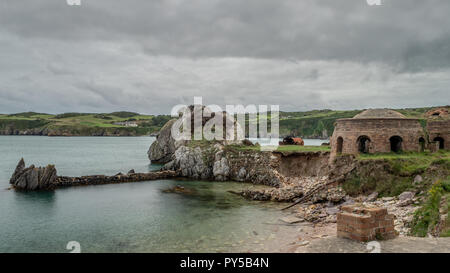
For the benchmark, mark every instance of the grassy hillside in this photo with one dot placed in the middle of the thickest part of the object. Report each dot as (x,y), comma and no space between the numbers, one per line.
(80,124)
(320,123)
(310,124)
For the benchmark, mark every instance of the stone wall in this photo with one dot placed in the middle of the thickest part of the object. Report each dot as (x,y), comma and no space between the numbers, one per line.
(379,131)
(365,224)
(439,128)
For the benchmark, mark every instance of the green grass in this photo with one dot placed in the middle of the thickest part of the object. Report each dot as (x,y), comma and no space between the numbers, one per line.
(83,123)
(297,148)
(283,148)
(410,163)
(385,186)
(397,173)
(427,217)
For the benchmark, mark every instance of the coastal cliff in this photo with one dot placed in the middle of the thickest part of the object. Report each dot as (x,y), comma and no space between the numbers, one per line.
(225,163)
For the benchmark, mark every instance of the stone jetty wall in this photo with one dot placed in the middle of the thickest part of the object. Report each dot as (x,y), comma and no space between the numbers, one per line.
(66,181)
(37,178)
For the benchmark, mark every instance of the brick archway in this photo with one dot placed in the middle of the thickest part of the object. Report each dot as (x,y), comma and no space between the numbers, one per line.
(363,143)
(396,144)
(441,142)
(421,144)
(339,145)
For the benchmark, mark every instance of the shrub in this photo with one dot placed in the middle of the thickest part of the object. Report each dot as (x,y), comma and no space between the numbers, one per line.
(428,216)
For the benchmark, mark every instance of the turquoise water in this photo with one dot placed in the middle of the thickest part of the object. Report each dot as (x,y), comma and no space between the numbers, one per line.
(133,217)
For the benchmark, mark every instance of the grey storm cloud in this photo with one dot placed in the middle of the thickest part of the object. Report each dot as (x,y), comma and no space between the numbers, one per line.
(148,56)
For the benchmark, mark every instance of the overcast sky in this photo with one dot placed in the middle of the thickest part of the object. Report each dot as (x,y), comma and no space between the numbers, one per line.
(147,56)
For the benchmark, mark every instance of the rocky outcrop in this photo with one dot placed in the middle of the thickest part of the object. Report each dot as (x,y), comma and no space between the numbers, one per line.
(223,163)
(163,148)
(33,178)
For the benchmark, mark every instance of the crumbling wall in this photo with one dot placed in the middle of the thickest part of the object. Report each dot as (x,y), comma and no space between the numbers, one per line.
(439,128)
(303,164)
(365,224)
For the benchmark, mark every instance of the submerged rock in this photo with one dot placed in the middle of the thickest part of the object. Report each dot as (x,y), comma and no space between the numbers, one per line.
(292,219)
(179,189)
(33,178)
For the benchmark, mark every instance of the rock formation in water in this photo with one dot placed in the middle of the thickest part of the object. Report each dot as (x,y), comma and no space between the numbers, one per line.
(164,147)
(33,178)
(220,162)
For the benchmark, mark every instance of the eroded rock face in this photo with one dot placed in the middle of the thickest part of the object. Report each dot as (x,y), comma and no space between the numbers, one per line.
(33,178)
(189,162)
(216,162)
(162,150)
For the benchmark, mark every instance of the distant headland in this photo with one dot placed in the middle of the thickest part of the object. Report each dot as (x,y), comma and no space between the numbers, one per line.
(317,124)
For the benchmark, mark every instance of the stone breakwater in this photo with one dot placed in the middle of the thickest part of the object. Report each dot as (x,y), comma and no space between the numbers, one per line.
(65,181)
(45,178)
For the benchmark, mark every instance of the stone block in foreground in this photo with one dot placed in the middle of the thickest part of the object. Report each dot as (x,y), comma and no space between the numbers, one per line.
(365,224)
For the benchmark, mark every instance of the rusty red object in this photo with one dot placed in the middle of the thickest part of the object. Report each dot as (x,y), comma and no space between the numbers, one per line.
(298,141)
(292,141)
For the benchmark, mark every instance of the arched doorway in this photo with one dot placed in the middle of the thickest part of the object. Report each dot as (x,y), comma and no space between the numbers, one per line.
(363,144)
(421,144)
(396,144)
(340,142)
(441,142)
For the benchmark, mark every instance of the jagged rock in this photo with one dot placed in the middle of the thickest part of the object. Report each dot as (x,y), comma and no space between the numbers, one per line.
(131,171)
(19,168)
(406,195)
(334,195)
(242,174)
(372,197)
(418,179)
(221,169)
(33,178)
(405,199)
(405,203)
(163,147)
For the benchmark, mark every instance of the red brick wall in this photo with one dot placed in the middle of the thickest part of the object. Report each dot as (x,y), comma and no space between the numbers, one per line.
(365,224)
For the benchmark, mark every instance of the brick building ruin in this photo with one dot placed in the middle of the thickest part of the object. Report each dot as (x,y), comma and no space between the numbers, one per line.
(438,128)
(365,224)
(384,130)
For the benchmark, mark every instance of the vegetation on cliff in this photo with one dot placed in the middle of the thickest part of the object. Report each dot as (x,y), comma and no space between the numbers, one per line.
(393,173)
(432,217)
